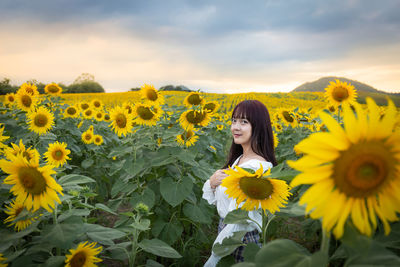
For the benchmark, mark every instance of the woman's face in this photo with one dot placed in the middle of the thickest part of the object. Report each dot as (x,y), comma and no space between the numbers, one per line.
(241,131)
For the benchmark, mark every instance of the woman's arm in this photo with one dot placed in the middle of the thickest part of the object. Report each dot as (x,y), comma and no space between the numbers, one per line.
(211,184)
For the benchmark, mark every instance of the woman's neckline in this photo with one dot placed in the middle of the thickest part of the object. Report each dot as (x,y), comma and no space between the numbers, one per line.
(238,159)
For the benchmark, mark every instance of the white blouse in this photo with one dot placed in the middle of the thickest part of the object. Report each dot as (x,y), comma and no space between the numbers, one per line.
(225,204)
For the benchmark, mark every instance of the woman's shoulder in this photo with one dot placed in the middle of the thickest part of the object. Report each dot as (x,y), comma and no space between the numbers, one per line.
(255,162)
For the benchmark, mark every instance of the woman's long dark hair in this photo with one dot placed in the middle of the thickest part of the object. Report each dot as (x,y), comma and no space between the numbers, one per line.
(262,138)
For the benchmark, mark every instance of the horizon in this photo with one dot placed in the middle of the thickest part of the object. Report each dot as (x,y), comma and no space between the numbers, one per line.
(217,47)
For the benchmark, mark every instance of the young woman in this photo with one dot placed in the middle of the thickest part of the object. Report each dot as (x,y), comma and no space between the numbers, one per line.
(252,145)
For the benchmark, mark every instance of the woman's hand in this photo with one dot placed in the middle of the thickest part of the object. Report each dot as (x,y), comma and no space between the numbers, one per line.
(216,178)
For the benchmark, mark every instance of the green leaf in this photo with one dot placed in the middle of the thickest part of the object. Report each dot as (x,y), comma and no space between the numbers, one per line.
(101,234)
(229,244)
(104,208)
(196,214)
(238,216)
(151,263)
(73,212)
(135,167)
(74,179)
(142,225)
(55,261)
(147,197)
(87,163)
(250,251)
(175,192)
(159,248)
(62,235)
(293,209)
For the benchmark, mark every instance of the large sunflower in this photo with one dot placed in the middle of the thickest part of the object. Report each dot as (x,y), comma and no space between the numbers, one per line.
(145,114)
(13,211)
(340,92)
(121,121)
(354,171)
(151,95)
(53,89)
(188,138)
(83,256)
(28,153)
(256,190)
(57,154)
(26,101)
(193,99)
(28,88)
(191,118)
(40,121)
(33,185)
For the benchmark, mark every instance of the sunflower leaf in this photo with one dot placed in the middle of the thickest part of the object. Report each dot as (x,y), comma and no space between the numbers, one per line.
(238,216)
(229,244)
(157,247)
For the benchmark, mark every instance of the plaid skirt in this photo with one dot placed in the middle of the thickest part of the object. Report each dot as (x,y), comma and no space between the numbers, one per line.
(249,237)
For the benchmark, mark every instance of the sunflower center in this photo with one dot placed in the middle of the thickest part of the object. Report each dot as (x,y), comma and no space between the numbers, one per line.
(88,112)
(107,117)
(71,111)
(26,100)
(195,117)
(210,106)
(11,98)
(340,93)
(40,120)
(120,120)
(145,113)
(152,95)
(287,116)
(84,106)
(97,140)
(256,188)
(53,89)
(188,134)
(58,155)
(32,180)
(78,260)
(194,99)
(99,115)
(97,104)
(362,169)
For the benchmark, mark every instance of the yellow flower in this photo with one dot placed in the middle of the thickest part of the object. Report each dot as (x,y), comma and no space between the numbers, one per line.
(57,154)
(193,99)
(28,153)
(220,127)
(2,137)
(13,211)
(211,107)
(98,140)
(98,115)
(145,114)
(32,185)
(107,117)
(128,106)
(188,138)
(40,121)
(121,121)
(83,256)
(151,95)
(9,99)
(287,117)
(2,259)
(354,171)
(71,112)
(191,118)
(84,105)
(53,89)
(87,137)
(276,139)
(29,89)
(26,101)
(88,113)
(340,92)
(96,103)
(255,189)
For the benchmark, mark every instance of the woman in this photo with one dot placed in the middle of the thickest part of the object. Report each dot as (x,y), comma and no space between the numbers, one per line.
(252,146)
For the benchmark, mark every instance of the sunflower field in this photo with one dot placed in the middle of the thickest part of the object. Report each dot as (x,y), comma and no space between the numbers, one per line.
(116,179)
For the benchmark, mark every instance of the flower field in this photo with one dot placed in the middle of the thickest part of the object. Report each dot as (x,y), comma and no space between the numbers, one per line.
(116,179)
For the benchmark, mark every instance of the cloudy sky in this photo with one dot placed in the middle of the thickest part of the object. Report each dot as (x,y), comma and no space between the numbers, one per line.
(216,46)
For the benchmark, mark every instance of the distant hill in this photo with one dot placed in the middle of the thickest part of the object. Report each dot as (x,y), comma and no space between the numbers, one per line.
(363,90)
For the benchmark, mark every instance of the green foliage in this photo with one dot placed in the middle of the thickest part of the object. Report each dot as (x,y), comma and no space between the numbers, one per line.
(85,87)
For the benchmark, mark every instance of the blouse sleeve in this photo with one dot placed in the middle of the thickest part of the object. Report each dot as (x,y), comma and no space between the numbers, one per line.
(209,193)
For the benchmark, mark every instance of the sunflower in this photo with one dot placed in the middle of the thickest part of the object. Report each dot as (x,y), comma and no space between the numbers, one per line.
(340,92)
(13,211)
(211,107)
(151,95)
(98,140)
(276,139)
(99,115)
(145,114)
(193,99)
(188,138)
(71,112)
(88,113)
(33,185)
(40,121)
(28,153)
(26,101)
(255,189)
(83,256)
(191,118)
(29,89)
(2,259)
(107,117)
(96,104)
(220,127)
(57,154)
(287,117)
(53,89)
(84,105)
(121,121)
(354,171)
(87,137)
(2,137)
(9,99)
(128,106)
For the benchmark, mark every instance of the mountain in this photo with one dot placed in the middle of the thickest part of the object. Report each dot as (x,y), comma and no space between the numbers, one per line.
(363,90)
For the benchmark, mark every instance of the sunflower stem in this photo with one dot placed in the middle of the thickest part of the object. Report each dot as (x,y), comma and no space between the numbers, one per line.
(55,222)
(326,236)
